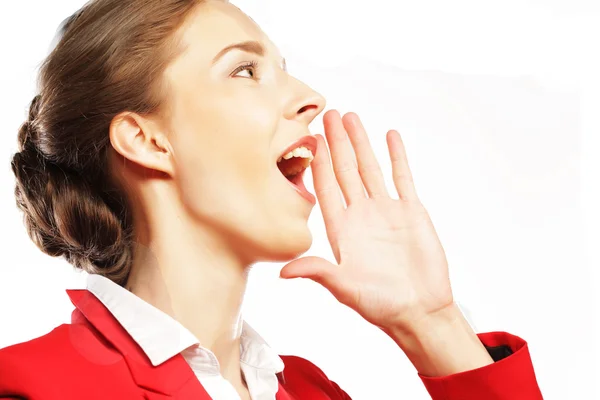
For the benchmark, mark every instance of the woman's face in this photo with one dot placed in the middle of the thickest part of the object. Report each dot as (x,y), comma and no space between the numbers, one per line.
(234,114)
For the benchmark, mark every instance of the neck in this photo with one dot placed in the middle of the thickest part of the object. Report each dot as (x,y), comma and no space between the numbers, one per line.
(197,280)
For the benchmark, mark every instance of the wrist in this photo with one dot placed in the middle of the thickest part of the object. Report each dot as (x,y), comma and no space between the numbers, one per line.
(441,343)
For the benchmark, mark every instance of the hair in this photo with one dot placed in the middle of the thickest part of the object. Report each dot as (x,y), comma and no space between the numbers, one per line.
(110,58)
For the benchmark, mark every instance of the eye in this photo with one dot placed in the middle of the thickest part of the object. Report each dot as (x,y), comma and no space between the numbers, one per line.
(248,66)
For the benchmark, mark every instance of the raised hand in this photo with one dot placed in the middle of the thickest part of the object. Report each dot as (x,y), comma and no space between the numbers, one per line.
(391,268)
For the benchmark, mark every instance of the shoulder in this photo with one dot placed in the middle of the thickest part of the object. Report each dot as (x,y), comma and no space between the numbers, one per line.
(66,342)
(52,361)
(36,349)
(299,365)
(304,377)
(24,365)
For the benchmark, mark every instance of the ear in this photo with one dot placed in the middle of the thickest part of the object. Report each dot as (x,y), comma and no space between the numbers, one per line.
(142,142)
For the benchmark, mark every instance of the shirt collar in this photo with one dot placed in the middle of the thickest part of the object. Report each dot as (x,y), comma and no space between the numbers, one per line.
(161,336)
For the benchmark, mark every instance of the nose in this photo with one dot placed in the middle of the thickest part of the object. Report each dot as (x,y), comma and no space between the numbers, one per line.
(305,104)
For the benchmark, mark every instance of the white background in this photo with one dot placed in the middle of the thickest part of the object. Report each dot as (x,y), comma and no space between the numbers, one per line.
(498,104)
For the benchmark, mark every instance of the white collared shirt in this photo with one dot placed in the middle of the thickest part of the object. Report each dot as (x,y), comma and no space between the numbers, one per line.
(161,337)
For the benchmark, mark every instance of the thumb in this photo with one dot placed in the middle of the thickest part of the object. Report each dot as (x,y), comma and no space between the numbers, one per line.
(316,268)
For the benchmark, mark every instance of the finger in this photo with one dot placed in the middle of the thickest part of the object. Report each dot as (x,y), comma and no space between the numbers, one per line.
(368,167)
(342,155)
(317,269)
(311,267)
(401,173)
(327,190)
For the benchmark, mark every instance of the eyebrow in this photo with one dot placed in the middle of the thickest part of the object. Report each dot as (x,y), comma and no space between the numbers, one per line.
(250,46)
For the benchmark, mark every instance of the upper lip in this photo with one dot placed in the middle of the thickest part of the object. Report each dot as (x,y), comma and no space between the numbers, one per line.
(308,141)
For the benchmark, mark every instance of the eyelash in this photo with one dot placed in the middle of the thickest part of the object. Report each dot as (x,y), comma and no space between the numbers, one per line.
(247,65)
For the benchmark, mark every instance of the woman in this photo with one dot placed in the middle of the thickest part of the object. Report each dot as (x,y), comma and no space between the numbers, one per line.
(164,156)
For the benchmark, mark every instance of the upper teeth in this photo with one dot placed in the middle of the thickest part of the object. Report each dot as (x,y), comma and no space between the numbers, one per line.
(301,151)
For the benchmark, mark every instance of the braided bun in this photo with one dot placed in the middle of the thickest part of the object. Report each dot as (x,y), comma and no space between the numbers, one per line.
(63,214)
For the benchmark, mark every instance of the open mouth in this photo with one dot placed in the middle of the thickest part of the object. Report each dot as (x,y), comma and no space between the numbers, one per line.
(294,162)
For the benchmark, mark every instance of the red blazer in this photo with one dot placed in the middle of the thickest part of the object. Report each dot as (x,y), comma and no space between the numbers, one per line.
(94,358)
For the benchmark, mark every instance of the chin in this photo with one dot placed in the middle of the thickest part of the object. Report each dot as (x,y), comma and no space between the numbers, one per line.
(290,245)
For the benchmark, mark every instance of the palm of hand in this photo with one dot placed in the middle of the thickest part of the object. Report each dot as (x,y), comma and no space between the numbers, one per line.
(391,268)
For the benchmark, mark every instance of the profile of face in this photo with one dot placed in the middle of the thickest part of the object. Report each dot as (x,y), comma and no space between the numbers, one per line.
(233,114)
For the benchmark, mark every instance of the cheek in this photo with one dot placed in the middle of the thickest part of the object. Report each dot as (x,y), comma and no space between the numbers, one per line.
(224,157)
(233,182)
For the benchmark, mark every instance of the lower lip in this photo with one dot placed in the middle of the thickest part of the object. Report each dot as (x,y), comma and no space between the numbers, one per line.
(298,185)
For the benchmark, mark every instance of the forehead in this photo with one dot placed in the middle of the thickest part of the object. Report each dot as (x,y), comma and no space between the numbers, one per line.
(218,24)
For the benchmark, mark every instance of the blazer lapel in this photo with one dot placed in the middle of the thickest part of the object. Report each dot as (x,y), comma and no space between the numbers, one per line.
(173,379)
